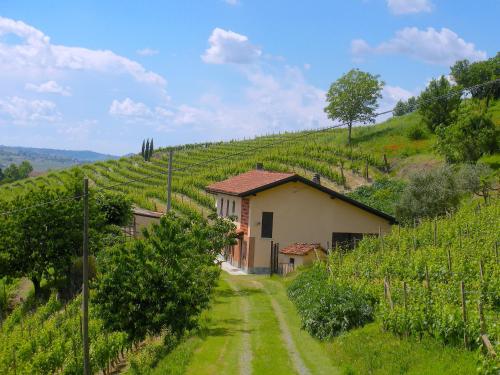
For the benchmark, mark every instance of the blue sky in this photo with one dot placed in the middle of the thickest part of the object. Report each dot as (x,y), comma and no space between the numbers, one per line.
(103,75)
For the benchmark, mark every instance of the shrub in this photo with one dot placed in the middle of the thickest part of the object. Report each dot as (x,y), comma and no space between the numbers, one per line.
(382,194)
(416,132)
(429,194)
(328,308)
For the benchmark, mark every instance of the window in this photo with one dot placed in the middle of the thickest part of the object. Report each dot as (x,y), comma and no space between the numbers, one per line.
(234,207)
(292,261)
(227,208)
(221,206)
(346,240)
(267,225)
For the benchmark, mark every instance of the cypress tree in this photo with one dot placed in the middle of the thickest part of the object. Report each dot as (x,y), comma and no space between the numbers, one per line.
(143,147)
(151,149)
(146,151)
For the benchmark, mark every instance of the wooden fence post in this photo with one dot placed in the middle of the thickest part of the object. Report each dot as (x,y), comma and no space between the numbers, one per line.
(482,324)
(270,259)
(405,295)
(427,281)
(389,296)
(464,312)
(449,259)
(386,164)
(435,231)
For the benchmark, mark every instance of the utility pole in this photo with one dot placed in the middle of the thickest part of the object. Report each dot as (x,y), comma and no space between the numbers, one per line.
(169,184)
(85,301)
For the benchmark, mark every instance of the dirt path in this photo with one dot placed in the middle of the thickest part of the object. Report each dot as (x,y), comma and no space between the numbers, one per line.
(245,360)
(294,354)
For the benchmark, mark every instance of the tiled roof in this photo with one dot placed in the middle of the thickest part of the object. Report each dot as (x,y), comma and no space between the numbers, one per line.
(248,181)
(301,248)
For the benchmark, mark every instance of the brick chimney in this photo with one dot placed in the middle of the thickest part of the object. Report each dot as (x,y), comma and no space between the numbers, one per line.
(259,166)
(316,179)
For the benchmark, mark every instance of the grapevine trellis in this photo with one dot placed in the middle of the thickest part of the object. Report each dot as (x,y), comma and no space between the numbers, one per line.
(439,278)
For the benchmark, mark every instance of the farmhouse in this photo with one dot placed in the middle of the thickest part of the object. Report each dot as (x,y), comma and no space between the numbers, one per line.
(141,218)
(300,215)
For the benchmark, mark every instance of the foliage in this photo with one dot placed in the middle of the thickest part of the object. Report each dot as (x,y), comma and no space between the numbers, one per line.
(48,341)
(477,179)
(14,172)
(439,112)
(117,208)
(41,242)
(404,107)
(471,135)
(445,252)
(416,132)
(162,281)
(429,194)
(329,308)
(353,98)
(382,194)
(469,74)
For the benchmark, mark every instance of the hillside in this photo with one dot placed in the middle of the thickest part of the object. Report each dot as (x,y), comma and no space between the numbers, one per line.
(196,166)
(43,159)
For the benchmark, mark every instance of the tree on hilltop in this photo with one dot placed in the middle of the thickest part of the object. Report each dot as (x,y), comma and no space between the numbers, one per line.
(353,98)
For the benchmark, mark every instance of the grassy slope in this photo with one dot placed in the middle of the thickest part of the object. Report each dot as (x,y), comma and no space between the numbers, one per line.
(361,351)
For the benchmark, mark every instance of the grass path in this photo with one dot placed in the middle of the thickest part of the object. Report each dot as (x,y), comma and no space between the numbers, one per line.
(252,328)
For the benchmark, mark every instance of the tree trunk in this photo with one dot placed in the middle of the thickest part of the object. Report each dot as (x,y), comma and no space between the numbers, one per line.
(349,137)
(36,284)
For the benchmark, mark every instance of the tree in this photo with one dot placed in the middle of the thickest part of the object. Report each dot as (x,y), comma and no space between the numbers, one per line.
(469,74)
(353,98)
(42,243)
(477,179)
(438,102)
(151,149)
(469,137)
(429,194)
(143,147)
(25,168)
(146,151)
(1,174)
(162,281)
(404,107)
(11,173)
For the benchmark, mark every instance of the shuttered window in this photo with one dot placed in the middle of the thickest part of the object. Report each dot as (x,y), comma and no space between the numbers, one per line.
(267,225)
(221,206)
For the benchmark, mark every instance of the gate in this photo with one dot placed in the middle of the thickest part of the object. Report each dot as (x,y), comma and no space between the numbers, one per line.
(275,247)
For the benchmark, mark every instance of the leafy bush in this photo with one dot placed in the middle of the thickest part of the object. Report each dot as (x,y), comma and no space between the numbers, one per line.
(470,136)
(382,194)
(429,194)
(328,308)
(416,132)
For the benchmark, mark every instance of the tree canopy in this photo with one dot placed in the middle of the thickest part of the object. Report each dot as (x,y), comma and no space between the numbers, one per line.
(353,98)
(162,281)
(438,102)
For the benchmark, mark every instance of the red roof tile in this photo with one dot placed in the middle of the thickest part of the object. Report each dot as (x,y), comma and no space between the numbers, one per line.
(301,248)
(247,181)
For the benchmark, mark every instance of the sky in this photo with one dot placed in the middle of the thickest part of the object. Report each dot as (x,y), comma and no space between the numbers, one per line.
(104,75)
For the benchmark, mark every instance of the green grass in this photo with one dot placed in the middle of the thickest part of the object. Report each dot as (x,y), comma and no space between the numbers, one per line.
(216,348)
(368,350)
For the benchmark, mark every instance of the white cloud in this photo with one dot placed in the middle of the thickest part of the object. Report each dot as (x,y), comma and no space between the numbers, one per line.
(147,52)
(49,87)
(37,55)
(442,47)
(22,110)
(229,47)
(129,108)
(409,6)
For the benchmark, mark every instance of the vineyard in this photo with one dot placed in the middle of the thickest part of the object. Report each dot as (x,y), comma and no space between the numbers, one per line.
(377,150)
(440,278)
(49,341)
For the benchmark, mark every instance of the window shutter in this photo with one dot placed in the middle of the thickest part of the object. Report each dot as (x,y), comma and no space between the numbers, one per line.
(267,225)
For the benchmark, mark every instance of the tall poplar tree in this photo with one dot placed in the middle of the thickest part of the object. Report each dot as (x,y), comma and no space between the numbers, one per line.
(146,151)
(143,147)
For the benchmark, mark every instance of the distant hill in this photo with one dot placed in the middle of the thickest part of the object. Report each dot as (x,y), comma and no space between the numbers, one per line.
(43,159)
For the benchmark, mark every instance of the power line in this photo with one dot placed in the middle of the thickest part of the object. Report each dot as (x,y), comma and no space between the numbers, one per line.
(272,144)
